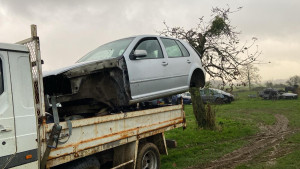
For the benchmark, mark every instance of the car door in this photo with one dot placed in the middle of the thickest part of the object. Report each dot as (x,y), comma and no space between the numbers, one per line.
(148,75)
(212,95)
(179,64)
(7,121)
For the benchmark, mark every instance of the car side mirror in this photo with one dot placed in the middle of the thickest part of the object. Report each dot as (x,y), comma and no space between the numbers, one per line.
(138,54)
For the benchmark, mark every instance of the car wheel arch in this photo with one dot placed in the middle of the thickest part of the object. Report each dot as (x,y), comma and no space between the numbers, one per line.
(197,78)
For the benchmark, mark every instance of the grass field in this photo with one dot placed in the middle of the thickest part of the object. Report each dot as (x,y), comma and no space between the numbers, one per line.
(236,122)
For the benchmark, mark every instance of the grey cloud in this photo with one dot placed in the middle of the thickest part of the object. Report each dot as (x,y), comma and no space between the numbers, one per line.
(69,29)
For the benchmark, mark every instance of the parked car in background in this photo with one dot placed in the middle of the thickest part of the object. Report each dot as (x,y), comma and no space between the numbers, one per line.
(270,93)
(125,72)
(211,95)
(186,98)
(157,102)
(288,96)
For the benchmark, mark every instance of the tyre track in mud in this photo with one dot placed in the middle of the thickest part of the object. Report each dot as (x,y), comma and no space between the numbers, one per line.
(269,136)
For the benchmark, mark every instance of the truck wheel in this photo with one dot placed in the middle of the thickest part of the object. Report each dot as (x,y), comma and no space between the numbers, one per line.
(148,157)
(84,163)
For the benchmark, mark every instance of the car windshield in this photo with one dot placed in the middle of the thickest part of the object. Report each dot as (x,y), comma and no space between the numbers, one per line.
(107,51)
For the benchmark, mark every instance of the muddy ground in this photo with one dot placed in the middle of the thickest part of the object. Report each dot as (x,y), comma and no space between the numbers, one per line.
(268,138)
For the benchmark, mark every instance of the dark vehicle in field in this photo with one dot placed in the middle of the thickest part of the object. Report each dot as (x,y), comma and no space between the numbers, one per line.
(210,95)
(288,96)
(186,98)
(270,93)
(125,72)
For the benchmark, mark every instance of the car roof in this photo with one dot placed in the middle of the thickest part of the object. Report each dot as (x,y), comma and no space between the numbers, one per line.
(149,35)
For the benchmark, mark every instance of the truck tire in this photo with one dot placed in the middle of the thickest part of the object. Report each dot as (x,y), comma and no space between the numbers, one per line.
(148,157)
(90,162)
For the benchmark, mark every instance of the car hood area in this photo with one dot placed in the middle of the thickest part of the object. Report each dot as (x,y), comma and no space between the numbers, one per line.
(223,93)
(64,69)
(88,86)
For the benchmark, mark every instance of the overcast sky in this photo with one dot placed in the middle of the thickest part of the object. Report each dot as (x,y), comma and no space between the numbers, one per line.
(71,28)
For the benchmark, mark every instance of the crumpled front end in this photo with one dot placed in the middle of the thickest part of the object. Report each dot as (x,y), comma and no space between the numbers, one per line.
(90,88)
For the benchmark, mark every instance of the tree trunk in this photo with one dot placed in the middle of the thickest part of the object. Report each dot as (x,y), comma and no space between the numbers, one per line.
(205,118)
(198,107)
(249,78)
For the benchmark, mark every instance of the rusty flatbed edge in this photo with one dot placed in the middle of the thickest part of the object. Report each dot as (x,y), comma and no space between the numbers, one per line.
(93,135)
(113,117)
(92,150)
(126,133)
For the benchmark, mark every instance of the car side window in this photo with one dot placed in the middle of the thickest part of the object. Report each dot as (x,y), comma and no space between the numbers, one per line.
(210,92)
(152,47)
(1,78)
(172,48)
(183,49)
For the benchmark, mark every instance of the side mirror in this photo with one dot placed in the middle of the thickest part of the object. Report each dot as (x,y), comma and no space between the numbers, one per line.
(138,54)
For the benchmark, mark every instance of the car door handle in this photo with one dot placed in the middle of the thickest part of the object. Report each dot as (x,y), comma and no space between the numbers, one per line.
(164,63)
(188,61)
(5,130)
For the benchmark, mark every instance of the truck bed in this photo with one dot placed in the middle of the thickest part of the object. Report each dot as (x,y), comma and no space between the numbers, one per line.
(92,135)
(96,134)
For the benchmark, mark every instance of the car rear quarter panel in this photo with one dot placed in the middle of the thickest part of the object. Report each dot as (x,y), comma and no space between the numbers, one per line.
(196,61)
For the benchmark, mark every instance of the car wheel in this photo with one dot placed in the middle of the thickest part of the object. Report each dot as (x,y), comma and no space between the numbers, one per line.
(219,101)
(148,157)
(228,100)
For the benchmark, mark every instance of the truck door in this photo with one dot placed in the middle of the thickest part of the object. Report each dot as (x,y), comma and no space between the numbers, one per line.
(7,121)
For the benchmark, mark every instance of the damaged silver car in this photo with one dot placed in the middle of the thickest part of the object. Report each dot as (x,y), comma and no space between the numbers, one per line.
(125,72)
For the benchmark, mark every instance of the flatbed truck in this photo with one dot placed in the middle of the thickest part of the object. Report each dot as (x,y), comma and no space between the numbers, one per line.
(127,140)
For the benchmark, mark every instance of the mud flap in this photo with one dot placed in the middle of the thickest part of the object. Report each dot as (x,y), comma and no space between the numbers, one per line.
(125,155)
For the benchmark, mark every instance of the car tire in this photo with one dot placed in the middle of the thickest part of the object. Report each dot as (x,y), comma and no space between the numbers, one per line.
(219,101)
(148,157)
(228,100)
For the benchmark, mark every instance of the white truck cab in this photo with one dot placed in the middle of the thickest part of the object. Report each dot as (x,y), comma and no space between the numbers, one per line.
(18,123)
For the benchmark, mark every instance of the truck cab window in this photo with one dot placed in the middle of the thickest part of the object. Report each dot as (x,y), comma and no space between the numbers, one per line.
(1,78)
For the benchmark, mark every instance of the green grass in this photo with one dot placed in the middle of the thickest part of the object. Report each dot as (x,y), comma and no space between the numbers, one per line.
(236,122)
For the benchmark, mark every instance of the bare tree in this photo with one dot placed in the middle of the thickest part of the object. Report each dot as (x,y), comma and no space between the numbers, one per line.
(218,44)
(294,80)
(220,50)
(269,84)
(249,75)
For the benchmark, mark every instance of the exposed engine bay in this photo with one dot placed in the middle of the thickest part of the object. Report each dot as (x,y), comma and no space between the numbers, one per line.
(97,87)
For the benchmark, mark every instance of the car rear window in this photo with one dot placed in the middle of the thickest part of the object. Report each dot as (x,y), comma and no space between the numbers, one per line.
(1,78)
(183,49)
(172,48)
